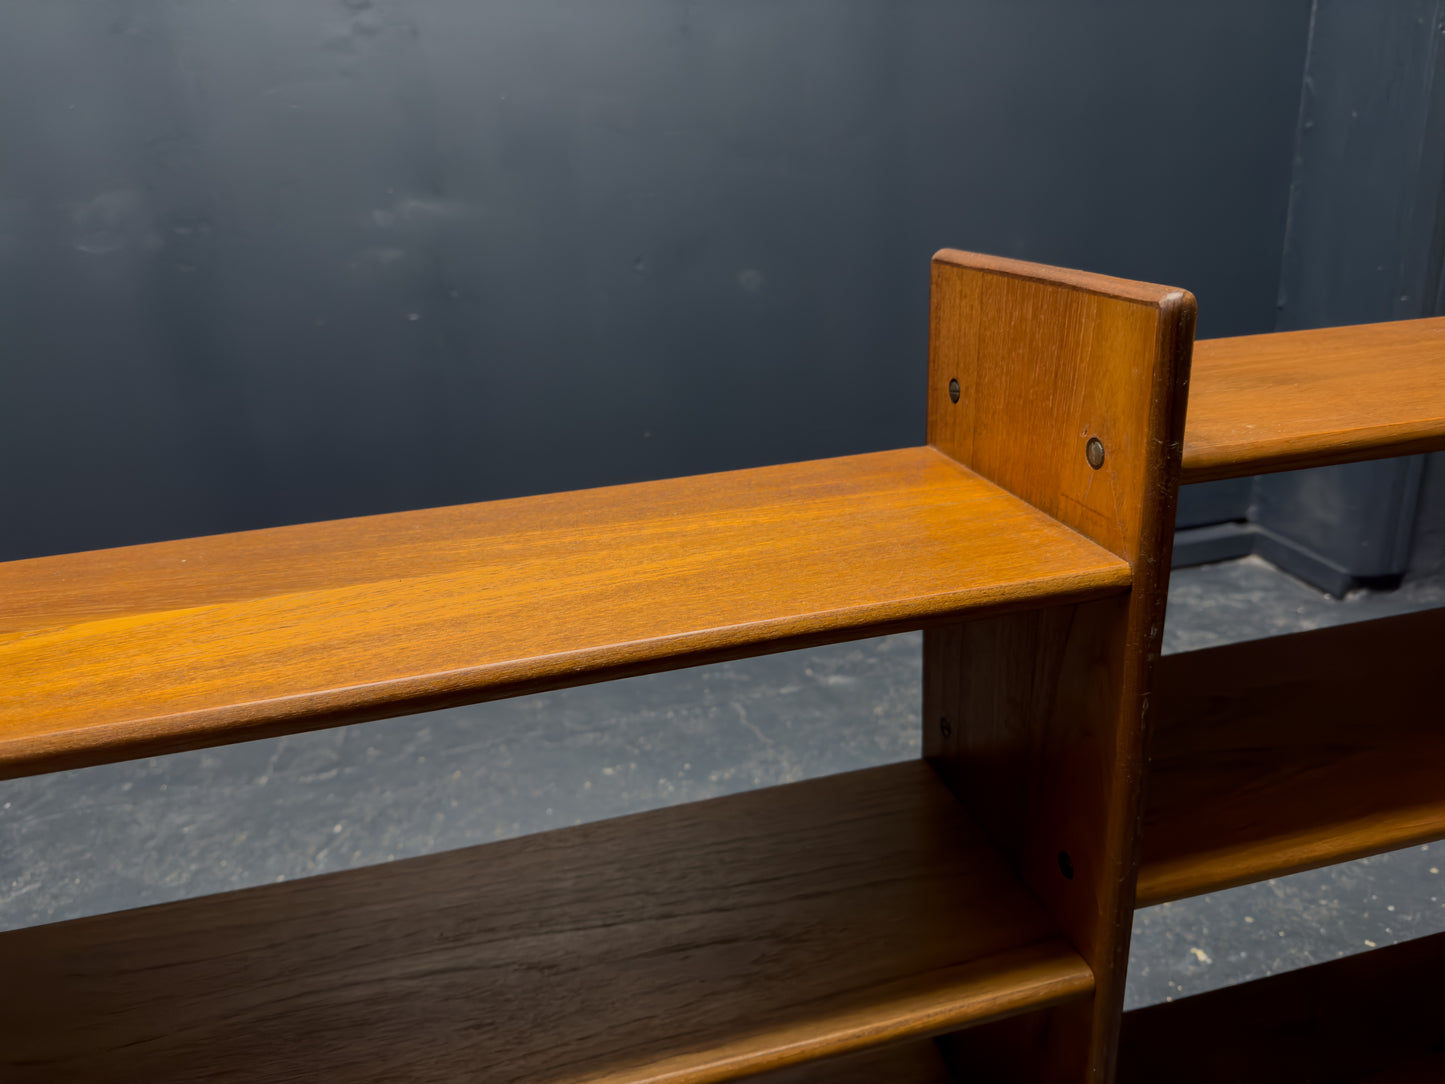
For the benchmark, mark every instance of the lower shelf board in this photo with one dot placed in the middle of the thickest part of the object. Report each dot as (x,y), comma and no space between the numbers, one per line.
(1281,755)
(1378,1016)
(692,944)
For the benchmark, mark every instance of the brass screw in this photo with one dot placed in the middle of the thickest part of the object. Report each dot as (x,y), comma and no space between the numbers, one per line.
(1094,452)
(945,727)
(953,390)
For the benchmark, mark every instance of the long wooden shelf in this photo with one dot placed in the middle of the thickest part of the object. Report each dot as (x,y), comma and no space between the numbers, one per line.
(1262,403)
(1279,755)
(131,652)
(698,943)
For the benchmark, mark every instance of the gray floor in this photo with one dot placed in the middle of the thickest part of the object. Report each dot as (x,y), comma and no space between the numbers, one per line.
(124,835)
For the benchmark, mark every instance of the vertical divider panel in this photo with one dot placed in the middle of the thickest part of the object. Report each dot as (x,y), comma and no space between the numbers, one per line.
(1067,389)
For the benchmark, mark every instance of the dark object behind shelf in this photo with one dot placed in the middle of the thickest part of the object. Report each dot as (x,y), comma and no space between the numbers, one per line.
(1380,1011)
(1334,527)
(1365,242)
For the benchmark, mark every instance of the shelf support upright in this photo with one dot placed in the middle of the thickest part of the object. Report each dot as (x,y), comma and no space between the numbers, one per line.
(1067,389)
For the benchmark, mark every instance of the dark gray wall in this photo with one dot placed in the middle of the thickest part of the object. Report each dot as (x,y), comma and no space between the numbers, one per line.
(282,260)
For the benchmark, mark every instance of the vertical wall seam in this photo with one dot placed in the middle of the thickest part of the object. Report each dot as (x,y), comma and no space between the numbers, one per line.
(1296,165)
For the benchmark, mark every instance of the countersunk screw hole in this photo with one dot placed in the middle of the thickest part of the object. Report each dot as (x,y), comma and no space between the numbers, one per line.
(1094,452)
(945,727)
(953,390)
(1066,865)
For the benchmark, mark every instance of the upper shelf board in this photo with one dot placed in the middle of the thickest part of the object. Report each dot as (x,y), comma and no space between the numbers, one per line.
(1263,403)
(149,649)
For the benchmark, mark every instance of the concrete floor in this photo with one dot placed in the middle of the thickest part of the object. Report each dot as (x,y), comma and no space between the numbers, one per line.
(124,835)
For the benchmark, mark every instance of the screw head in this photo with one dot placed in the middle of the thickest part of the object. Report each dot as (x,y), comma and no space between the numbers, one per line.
(953,390)
(1094,452)
(1066,865)
(945,727)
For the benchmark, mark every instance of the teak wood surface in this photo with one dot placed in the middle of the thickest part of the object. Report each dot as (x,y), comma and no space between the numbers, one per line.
(1274,756)
(151,649)
(691,944)
(1038,718)
(1262,403)
(837,919)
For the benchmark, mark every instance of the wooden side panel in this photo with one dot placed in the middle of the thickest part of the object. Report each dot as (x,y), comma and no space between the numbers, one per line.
(1279,755)
(1038,719)
(1380,1012)
(1047,359)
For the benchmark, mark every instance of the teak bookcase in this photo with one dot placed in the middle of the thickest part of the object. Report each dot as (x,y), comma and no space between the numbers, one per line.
(965,917)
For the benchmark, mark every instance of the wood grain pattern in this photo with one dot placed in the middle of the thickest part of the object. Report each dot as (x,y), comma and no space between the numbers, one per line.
(1262,403)
(692,944)
(132,652)
(1047,708)
(1025,699)
(1335,1023)
(1279,755)
(1047,358)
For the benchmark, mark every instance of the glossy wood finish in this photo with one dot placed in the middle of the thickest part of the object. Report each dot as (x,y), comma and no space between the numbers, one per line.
(1279,755)
(1264,403)
(131,652)
(1038,718)
(692,944)
(1375,1015)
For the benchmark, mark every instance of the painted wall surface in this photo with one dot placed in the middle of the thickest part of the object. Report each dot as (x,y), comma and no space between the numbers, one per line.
(282,260)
